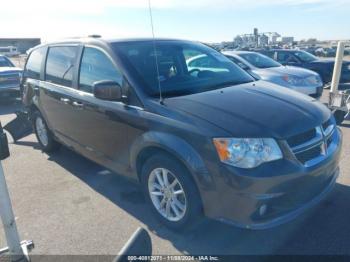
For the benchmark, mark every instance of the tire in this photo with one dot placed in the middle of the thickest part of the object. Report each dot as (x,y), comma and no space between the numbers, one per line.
(190,200)
(40,127)
(339,116)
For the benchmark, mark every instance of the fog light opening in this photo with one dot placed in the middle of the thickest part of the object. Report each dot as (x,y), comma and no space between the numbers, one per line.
(262,210)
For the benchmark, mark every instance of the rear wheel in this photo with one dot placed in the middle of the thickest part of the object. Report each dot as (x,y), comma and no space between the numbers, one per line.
(170,191)
(43,134)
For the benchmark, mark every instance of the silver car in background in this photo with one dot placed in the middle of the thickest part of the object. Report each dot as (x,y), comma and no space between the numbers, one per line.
(10,77)
(265,68)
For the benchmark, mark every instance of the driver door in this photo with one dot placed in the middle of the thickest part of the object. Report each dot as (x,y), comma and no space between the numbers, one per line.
(101,127)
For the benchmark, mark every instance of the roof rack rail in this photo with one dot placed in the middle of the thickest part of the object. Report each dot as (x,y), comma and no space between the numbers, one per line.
(95,36)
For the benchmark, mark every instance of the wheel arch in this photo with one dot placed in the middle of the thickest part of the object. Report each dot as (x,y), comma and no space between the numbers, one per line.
(157,142)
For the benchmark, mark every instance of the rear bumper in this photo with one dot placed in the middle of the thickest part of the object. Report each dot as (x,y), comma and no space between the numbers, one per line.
(271,194)
(9,92)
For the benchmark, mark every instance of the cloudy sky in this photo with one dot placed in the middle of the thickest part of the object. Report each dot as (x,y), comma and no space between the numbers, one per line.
(203,20)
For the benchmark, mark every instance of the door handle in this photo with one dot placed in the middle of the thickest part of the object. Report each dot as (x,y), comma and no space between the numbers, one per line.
(78,104)
(64,100)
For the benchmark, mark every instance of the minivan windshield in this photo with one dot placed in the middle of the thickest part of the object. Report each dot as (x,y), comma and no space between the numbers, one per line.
(184,67)
(305,56)
(259,61)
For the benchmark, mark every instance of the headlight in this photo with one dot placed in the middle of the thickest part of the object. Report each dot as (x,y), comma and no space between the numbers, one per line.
(314,80)
(247,152)
(293,80)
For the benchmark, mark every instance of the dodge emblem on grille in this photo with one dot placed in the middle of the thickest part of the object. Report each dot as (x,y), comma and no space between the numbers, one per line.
(324,146)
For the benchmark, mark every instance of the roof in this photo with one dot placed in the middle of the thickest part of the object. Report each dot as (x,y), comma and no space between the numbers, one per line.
(238,52)
(103,41)
(285,50)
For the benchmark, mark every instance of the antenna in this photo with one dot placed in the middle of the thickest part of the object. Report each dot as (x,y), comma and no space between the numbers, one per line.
(155,53)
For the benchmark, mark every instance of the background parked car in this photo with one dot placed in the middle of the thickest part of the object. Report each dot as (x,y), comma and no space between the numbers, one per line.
(9,79)
(324,67)
(326,52)
(265,68)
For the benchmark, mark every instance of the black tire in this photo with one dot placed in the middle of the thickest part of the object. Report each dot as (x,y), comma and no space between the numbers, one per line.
(339,116)
(193,202)
(51,145)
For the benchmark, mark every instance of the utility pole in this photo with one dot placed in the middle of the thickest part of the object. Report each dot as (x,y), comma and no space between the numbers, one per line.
(18,251)
(337,67)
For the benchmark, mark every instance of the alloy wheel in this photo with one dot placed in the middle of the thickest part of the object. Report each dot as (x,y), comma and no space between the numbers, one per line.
(167,194)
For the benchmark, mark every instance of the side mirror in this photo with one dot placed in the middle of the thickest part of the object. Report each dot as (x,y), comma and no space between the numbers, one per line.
(107,90)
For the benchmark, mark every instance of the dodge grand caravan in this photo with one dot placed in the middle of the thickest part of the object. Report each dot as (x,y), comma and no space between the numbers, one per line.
(211,142)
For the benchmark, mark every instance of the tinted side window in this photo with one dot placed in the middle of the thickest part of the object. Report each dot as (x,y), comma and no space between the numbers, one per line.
(96,66)
(60,65)
(34,62)
(285,57)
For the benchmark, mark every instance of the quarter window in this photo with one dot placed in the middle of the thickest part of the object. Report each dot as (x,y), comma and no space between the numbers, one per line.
(60,65)
(96,66)
(33,66)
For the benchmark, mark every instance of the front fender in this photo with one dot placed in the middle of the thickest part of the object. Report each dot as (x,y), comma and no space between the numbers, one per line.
(178,148)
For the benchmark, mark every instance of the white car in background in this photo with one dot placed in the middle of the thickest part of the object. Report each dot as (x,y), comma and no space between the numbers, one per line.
(267,69)
(9,51)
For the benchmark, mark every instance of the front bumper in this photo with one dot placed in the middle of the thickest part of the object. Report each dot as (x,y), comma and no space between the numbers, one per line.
(273,193)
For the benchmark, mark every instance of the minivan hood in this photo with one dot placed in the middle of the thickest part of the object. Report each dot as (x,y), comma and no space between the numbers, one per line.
(285,70)
(258,109)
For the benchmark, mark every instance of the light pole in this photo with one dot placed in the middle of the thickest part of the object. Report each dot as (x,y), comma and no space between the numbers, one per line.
(17,250)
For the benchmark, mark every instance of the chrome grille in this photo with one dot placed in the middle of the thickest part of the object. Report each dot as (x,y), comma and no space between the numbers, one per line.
(312,146)
(301,138)
(309,154)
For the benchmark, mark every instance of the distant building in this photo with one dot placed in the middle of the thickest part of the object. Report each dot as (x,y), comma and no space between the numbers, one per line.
(273,37)
(22,44)
(238,41)
(263,40)
(259,39)
(246,40)
(287,40)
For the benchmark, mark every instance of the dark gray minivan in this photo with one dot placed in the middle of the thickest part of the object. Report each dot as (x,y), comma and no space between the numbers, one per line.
(202,141)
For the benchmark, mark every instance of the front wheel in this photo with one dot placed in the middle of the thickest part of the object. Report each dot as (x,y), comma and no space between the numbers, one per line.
(43,134)
(170,191)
